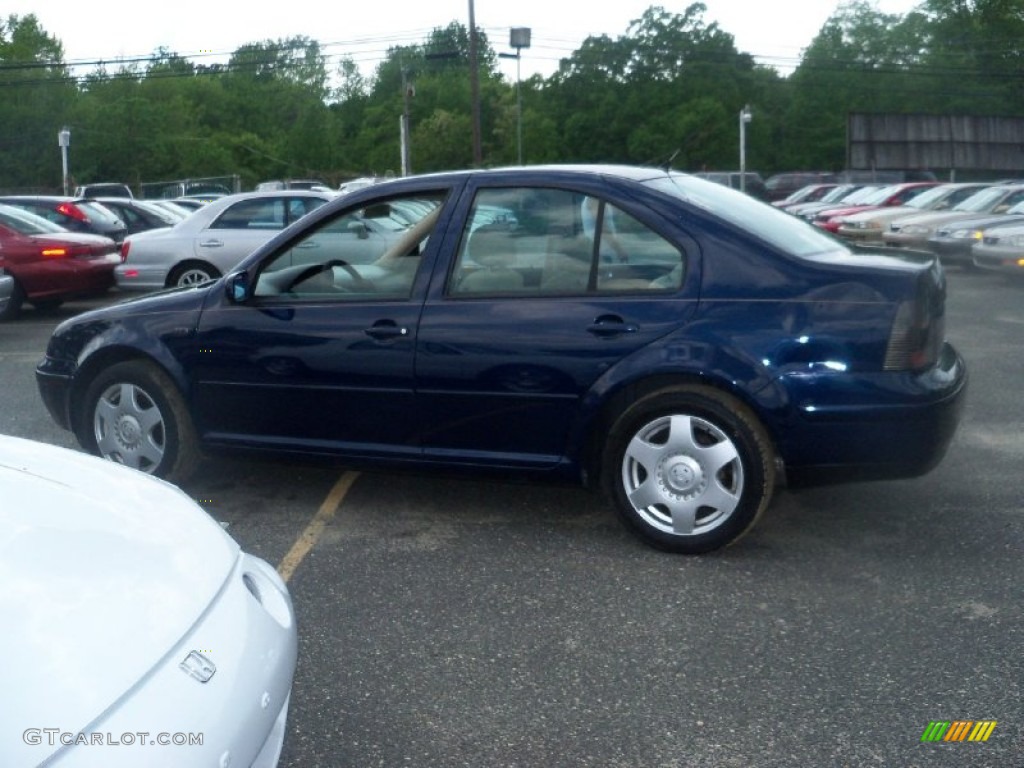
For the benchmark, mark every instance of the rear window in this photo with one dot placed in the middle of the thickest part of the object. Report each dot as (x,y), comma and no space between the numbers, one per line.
(785,232)
(27,223)
(98,214)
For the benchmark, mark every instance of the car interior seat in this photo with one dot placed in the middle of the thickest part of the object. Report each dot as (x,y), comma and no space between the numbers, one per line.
(493,251)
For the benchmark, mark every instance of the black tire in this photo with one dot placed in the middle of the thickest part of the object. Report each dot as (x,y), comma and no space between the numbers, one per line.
(191,273)
(13,304)
(46,305)
(132,413)
(694,451)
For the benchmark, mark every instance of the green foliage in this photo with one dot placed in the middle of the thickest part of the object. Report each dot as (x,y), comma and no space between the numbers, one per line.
(671,86)
(35,94)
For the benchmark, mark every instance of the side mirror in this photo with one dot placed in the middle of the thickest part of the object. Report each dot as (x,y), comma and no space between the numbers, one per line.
(238,287)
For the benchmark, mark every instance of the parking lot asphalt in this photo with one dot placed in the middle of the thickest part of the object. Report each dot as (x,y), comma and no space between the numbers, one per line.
(449,622)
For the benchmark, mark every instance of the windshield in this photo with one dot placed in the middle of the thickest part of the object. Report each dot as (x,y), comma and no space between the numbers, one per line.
(982,201)
(929,197)
(839,193)
(786,232)
(161,213)
(861,195)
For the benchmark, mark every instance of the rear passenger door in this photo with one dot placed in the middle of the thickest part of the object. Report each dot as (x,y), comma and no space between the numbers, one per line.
(547,290)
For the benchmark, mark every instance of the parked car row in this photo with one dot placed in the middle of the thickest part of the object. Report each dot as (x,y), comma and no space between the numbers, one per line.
(54,249)
(974,224)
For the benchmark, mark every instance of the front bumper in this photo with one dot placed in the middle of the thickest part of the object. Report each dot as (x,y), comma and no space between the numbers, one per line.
(856,235)
(54,379)
(999,258)
(952,252)
(912,242)
(237,716)
(132,277)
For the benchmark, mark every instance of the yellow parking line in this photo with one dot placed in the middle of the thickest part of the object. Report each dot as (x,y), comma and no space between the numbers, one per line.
(309,537)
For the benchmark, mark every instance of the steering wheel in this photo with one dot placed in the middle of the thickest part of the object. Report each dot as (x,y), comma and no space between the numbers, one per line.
(315,269)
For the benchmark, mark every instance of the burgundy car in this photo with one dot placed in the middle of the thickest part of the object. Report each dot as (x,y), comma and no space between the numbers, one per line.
(49,264)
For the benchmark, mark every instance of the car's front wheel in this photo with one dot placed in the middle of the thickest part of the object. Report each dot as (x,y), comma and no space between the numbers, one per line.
(133,414)
(690,469)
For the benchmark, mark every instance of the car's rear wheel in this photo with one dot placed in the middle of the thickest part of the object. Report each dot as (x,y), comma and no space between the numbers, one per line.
(192,273)
(690,469)
(134,415)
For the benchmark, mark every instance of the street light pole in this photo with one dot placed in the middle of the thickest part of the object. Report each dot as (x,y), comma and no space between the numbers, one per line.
(745,117)
(474,88)
(519,38)
(64,141)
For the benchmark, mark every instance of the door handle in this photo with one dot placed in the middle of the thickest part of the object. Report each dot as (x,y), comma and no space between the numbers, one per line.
(611,325)
(211,244)
(386,329)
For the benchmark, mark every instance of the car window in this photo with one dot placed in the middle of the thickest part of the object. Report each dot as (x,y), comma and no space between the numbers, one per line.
(300,206)
(254,213)
(542,241)
(98,213)
(787,233)
(353,256)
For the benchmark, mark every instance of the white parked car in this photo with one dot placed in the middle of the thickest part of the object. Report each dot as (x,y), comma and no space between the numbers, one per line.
(212,240)
(136,632)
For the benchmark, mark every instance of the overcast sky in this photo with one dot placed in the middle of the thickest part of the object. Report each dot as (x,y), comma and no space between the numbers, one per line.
(774,31)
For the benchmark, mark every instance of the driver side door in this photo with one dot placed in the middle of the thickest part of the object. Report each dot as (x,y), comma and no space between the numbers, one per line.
(320,357)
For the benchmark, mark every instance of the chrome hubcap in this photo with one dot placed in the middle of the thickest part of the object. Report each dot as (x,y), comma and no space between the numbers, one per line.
(193,277)
(683,475)
(129,427)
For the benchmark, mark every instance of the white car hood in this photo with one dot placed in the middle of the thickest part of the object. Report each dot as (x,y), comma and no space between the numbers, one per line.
(102,570)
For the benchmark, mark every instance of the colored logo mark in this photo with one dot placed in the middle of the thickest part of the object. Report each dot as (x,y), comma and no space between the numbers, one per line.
(958,730)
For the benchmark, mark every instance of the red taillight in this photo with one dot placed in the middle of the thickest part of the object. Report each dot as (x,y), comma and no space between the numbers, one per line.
(125,247)
(73,211)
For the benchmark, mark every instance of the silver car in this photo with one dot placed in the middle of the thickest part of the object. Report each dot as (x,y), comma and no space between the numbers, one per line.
(211,241)
(136,631)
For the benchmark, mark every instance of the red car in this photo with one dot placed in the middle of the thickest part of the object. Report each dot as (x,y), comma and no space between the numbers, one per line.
(49,264)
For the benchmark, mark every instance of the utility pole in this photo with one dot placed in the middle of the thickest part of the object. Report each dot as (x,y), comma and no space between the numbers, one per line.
(408,91)
(474,87)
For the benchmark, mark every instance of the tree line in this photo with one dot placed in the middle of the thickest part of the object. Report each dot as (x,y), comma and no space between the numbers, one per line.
(668,90)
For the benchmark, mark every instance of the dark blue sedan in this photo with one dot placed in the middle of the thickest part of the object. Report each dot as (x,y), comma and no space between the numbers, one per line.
(665,338)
